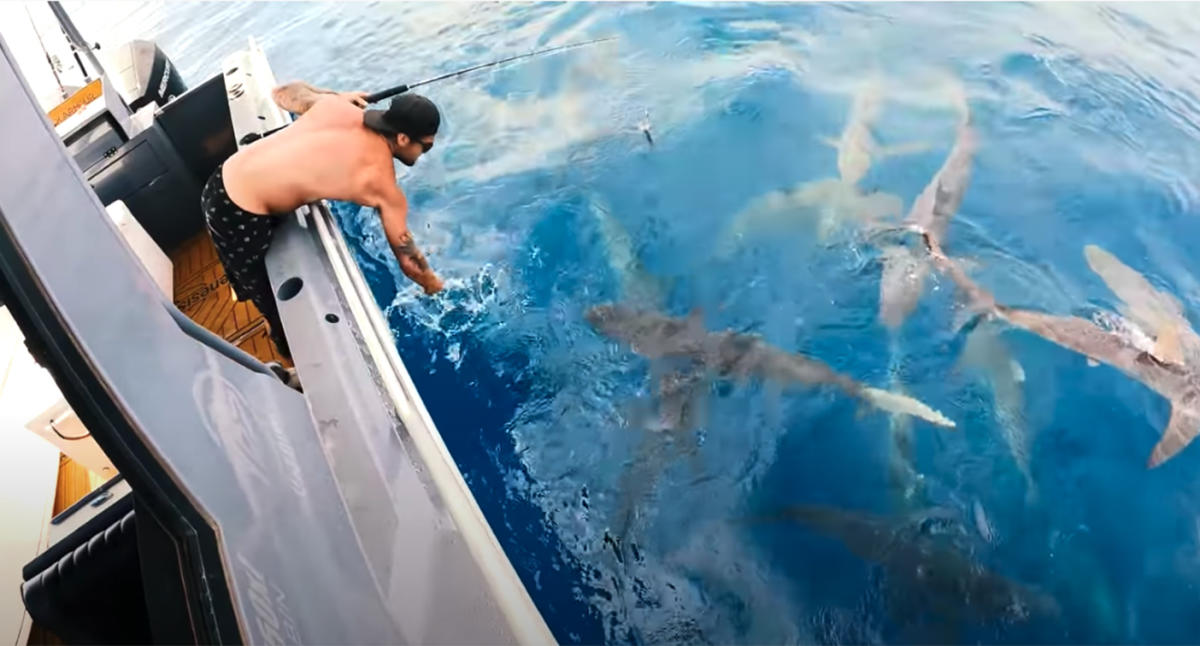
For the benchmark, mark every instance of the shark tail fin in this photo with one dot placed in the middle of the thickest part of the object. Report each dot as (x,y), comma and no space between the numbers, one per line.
(904,405)
(1181,430)
(1167,348)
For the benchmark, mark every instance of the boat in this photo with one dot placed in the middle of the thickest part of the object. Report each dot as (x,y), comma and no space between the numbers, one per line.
(242,509)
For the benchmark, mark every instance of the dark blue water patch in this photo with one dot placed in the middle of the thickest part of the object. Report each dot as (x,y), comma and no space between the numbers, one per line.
(473,405)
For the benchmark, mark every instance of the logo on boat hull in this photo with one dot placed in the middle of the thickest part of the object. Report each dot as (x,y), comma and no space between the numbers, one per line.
(261,454)
(272,617)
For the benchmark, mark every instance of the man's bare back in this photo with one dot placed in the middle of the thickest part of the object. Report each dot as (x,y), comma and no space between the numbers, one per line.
(326,154)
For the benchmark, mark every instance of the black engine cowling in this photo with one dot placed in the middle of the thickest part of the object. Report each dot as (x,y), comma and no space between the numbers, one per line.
(147,73)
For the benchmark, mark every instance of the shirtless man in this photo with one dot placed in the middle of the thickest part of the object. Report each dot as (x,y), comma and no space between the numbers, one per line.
(334,150)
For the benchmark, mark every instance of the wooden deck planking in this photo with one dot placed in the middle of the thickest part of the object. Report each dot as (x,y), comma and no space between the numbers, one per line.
(202,292)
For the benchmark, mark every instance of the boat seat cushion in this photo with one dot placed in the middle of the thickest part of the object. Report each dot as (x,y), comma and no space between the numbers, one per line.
(93,594)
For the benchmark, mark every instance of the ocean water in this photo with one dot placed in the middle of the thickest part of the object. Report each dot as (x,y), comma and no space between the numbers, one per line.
(544,197)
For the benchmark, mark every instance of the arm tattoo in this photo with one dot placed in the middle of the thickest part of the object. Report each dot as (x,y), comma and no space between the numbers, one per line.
(298,97)
(406,248)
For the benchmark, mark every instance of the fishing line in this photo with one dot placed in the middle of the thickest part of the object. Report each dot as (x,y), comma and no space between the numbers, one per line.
(401,89)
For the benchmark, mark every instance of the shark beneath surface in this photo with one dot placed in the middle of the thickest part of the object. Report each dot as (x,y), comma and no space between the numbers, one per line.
(734,355)
(903,282)
(986,352)
(669,426)
(706,356)
(904,268)
(1179,383)
(928,570)
(837,200)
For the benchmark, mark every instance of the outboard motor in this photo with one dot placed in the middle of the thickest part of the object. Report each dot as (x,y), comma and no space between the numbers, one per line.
(147,73)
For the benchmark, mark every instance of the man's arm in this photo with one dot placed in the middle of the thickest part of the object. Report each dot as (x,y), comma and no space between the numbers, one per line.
(299,96)
(393,211)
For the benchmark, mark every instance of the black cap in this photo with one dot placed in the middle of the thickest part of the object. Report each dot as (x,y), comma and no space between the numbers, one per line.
(410,114)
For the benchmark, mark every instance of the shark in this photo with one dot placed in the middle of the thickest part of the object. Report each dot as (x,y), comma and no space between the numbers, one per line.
(636,284)
(734,355)
(856,148)
(986,353)
(1178,383)
(835,200)
(904,268)
(927,568)
(903,281)
(668,427)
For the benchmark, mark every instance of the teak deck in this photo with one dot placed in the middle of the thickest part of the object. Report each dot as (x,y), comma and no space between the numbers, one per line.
(202,292)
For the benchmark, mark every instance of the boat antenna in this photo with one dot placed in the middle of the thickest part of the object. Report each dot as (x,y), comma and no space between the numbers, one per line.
(401,89)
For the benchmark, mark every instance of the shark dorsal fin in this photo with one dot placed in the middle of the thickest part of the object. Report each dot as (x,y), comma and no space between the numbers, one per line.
(1166,345)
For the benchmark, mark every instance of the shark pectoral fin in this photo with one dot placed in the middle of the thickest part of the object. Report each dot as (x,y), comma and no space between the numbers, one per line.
(910,148)
(1167,348)
(904,405)
(1181,429)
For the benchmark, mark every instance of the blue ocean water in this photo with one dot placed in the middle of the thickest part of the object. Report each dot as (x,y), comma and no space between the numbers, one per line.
(543,197)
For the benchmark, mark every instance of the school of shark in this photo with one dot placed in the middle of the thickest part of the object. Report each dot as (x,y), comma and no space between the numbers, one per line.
(1148,339)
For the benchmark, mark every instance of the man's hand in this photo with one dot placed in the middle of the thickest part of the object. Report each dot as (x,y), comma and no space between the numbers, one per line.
(433,284)
(359,99)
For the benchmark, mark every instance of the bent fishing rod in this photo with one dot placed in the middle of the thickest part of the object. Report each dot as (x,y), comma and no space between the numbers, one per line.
(401,89)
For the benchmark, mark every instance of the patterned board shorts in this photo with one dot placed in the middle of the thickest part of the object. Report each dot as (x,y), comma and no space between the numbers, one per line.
(242,239)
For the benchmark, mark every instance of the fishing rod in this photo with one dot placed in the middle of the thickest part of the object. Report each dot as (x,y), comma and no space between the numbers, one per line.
(401,89)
